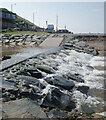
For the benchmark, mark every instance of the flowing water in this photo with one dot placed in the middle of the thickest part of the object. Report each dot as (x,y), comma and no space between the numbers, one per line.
(91,69)
(86,66)
(20,51)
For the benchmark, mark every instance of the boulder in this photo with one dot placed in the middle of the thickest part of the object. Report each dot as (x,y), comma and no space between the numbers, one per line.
(58,99)
(24,92)
(74,77)
(83,89)
(35,73)
(87,110)
(6,58)
(95,52)
(28,79)
(57,114)
(19,108)
(60,81)
(45,68)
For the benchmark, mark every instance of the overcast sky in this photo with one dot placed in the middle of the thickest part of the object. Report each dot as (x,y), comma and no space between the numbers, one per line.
(76,16)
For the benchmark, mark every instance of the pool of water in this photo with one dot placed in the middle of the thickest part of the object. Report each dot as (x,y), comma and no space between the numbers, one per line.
(20,51)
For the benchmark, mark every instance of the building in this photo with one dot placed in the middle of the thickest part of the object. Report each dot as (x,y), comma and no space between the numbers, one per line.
(40,29)
(63,31)
(50,28)
(8,18)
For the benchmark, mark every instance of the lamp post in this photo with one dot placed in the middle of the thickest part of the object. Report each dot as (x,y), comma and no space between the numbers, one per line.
(12,6)
(34,16)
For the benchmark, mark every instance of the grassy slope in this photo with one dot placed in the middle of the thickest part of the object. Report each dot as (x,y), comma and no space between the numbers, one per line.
(24,20)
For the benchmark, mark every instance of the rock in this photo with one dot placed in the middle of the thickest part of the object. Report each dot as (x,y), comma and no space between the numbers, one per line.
(57,114)
(87,110)
(13,91)
(95,52)
(7,85)
(58,99)
(45,68)
(6,58)
(60,81)
(12,97)
(67,45)
(28,80)
(17,108)
(24,92)
(83,89)
(90,67)
(35,73)
(74,77)
(90,47)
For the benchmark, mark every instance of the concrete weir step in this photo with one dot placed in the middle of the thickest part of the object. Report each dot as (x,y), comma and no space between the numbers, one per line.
(51,42)
(11,62)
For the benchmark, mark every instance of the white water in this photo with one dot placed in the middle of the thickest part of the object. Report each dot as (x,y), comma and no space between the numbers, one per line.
(83,64)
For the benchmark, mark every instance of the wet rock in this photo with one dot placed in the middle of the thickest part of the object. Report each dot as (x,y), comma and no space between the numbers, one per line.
(36,95)
(87,110)
(74,77)
(45,68)
(95,52)
(17,108)
(35,73)
(83,89)
(24,92)
(90,67)
(6,58)
(58,99)
(13,91)
(67,45)
(28,79)
(12,97)
(91,47)
(57,114)
(60,81)
(7,85)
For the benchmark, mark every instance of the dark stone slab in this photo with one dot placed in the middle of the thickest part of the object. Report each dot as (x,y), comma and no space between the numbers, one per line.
(83,89)
(57,114)
(57,99)
(87,110)
(60,81)
(45,68)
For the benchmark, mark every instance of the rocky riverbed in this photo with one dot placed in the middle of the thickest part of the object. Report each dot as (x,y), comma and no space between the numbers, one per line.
(55,85)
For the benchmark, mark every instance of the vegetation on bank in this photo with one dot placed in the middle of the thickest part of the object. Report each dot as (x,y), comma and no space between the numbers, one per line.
(19,32)
(19,19)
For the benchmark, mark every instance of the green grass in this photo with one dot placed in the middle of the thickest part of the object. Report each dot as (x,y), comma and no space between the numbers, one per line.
(19,19)
(23,32)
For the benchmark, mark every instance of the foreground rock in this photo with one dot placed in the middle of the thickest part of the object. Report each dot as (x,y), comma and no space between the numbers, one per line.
(60,81)
(87,110)
(57,114)
(83,89)
(57,99)
(23,108)
(45,68)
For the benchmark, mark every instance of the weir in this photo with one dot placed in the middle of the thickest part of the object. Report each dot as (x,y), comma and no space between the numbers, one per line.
(50,42)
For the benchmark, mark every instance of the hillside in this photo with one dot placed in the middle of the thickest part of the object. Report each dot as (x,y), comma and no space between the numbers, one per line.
(11,20)
(19,19)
